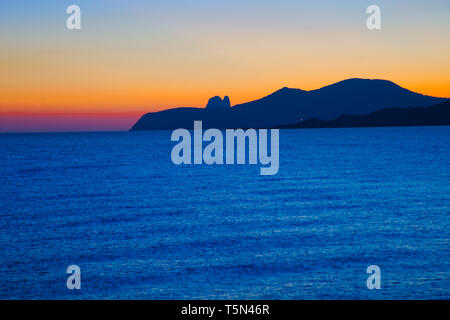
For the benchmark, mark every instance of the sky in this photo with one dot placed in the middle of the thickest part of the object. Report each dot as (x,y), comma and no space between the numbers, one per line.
(133,57)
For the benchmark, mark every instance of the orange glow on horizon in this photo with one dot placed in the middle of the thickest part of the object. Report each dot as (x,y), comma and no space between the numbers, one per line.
(132,103)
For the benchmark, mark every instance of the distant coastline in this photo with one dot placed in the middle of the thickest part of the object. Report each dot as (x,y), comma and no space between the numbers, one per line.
(340,104)
(438,115)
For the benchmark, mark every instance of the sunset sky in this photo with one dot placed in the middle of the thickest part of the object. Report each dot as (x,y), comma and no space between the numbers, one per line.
(132,57)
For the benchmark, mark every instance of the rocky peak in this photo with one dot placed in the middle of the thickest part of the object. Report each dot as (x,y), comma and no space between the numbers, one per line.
(217,102)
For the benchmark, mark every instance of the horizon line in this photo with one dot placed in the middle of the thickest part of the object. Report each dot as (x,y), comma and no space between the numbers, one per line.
(163,108)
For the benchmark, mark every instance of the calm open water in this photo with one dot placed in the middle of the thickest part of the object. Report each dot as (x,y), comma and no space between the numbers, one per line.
(140,227)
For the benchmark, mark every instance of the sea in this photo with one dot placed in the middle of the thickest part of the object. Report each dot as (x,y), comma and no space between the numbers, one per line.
(140,227)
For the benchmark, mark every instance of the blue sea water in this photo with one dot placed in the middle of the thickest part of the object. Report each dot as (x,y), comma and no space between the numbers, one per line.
(140,227)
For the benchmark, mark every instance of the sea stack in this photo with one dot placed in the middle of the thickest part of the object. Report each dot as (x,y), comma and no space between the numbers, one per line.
(217,102)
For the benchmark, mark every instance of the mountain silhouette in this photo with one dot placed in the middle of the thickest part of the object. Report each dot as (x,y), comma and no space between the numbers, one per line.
(437,115)
(287,106)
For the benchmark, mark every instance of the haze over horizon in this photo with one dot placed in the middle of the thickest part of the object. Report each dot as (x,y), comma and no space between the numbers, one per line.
(135,57)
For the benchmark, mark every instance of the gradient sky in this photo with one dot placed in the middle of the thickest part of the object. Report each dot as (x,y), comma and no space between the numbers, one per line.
(132,57)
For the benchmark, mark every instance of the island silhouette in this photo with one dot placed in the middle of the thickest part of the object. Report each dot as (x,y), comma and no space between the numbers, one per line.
(330,106)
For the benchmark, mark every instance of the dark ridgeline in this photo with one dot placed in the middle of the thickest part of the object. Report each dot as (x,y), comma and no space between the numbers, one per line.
(437,115)
(289,106)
